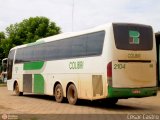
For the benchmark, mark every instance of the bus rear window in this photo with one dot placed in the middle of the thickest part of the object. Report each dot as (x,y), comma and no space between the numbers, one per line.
(133,36)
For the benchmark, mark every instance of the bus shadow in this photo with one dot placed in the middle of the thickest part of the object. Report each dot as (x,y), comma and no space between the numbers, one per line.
(88,103)
(38,96)
(102,105)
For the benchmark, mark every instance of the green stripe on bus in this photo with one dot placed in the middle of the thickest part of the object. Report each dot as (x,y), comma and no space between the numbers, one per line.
(131,92)
(33,65)
(38,84)
(36,43)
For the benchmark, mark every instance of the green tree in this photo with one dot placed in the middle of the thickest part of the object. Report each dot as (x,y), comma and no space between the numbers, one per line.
(27,31)
(2,38)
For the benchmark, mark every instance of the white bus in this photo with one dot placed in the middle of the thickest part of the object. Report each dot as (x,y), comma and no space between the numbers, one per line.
(4,70)
(111,62)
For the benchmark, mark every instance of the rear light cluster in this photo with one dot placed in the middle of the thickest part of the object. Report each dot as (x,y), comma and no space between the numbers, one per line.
(109,73)
(109,69)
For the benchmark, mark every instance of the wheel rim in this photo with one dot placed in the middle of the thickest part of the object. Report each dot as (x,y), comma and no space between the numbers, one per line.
(58,93)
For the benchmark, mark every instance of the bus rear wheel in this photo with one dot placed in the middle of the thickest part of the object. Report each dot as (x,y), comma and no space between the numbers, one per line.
(72,95)
(16,89)
(58,93)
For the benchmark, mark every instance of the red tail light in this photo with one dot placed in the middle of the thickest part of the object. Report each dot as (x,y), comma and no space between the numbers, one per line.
(109,69)
(109,73)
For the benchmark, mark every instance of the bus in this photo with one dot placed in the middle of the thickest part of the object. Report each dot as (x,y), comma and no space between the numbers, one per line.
(109,62)
(4,70)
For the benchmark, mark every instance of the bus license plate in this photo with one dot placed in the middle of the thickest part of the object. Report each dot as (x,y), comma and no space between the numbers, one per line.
(136,91)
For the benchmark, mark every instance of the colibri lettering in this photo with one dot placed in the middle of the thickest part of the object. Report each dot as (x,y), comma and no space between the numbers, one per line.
(132,55)
(76,65)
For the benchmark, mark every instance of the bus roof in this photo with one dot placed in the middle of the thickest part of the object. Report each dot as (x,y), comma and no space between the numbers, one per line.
(64,35)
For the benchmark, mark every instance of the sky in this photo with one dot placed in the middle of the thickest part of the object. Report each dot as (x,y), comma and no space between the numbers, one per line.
(77,15)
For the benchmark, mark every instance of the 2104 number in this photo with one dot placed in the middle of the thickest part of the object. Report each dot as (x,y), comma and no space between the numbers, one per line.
(119,66)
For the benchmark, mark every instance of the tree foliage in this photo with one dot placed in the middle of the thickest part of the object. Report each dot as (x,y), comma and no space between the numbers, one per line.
(27,31)
(2,39)
(2,36)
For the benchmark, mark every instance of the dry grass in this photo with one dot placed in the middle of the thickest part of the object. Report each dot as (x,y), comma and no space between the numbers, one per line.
(3,84)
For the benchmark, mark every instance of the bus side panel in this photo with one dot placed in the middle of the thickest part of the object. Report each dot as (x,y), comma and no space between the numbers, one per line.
(18,75)
(88,86)
(87,75)
(85,86)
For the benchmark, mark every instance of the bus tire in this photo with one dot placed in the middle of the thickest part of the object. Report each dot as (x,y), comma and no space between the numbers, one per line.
(58,92)
(16,89)
(72,95)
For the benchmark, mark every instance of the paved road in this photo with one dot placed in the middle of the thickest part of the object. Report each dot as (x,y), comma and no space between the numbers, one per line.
(40,104)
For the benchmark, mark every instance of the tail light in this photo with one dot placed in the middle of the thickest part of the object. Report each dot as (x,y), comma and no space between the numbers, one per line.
(109,69)
(109,73)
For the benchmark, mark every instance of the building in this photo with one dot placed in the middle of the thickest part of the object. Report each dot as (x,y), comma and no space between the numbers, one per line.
(158,56)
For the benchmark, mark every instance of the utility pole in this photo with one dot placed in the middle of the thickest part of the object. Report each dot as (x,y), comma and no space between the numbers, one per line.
(72,15)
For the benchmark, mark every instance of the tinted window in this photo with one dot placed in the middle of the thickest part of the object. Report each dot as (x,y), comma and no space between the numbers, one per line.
(133,36)
(19,55)
(27,54)
(79,46)
(65,50)
(52,49)
(95,43)
(40,52)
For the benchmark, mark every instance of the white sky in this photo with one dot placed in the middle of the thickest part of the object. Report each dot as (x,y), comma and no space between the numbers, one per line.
(87,13)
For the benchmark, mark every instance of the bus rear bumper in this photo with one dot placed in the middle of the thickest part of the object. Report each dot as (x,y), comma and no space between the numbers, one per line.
(131,92)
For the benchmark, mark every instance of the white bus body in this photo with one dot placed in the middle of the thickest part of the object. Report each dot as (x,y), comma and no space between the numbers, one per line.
(116,60)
